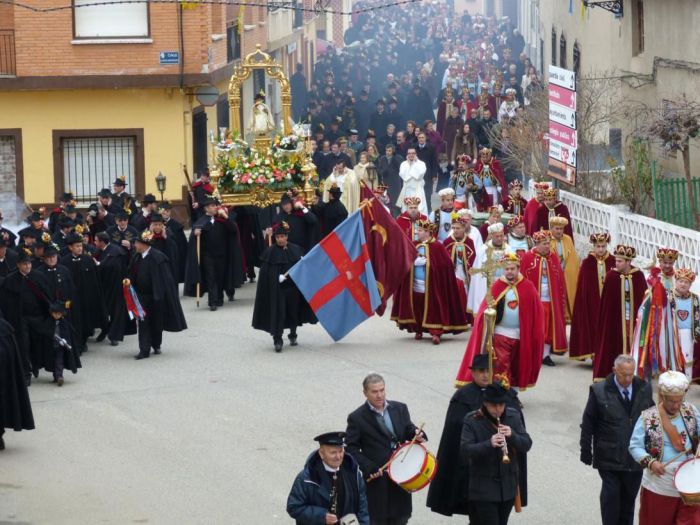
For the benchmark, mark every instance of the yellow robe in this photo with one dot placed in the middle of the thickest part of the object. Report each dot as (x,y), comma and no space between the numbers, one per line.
(570,265)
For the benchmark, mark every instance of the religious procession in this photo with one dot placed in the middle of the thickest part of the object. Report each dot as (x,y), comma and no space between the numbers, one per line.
(371,200)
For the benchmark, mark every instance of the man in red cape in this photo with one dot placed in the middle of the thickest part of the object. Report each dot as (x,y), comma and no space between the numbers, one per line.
(408,219)
(519,330)
(515,204)
(591,277)
(623,292)
(488,168)
(427,300)
(542,267)
(533,205)
(461,250)
(551,207)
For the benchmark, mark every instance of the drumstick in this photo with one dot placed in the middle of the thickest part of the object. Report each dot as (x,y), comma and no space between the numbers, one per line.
(674,458)
(413,442)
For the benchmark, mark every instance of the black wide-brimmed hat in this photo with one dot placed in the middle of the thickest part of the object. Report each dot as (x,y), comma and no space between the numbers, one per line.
(73,238)
(495,393)
(480,362)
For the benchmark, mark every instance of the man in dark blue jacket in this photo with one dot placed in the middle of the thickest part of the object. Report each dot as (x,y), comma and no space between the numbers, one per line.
(330,487)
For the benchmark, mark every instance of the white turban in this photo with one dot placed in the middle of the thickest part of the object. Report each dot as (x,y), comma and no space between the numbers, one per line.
(465,212)
(446,192)
(673,383)
(496,228)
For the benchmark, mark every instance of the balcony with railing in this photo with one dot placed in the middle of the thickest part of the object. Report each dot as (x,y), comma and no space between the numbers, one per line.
(8,65)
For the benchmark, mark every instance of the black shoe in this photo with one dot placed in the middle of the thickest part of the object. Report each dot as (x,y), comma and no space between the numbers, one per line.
(59,381)
(101,337)
(220,303)
(141,356)
(2,443)
(251,279)
(157,351)
(231,298)
(293,340)
(548,361)
(278,346)
(212,307)
(113,343)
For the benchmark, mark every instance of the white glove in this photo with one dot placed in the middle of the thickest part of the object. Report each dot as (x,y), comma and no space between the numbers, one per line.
(420,261)
(282,278)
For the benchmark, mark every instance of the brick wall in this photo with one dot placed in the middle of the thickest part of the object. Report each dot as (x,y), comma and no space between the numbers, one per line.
(7,17)
(44,48)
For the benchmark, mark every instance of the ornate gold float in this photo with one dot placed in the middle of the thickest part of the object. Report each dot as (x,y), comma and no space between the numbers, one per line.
(276,160)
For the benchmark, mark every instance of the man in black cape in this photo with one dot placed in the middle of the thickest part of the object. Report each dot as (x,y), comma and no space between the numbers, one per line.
(15,407)
(58,212)
(448,492)
(278,302)
(303,223)
(88,310)
(142,220)
(123,234)
(6,235)
(8,258)
(25,305)
(64,227)
(162,242)
(57,354)
(330,213)
(252,242)
(156,289)
(120,198)
(59,279)
(176,231)
(219,268)
(112,262)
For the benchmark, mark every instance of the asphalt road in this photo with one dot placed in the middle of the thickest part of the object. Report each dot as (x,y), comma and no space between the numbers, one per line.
(215,429)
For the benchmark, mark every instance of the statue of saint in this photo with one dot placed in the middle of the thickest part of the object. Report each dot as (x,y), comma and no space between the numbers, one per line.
(261,122)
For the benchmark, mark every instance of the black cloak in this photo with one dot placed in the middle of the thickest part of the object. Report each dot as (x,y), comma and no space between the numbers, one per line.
(111,271)
(269,311)
(169,248)
(252,242)
(45,356)
(331,214)
(449,489)
(235,274)
(177,233)
(15,407)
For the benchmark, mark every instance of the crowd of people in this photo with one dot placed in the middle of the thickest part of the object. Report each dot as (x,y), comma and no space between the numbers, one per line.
(412,105)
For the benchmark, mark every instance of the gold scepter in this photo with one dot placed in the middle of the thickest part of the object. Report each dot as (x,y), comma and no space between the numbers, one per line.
(199,244)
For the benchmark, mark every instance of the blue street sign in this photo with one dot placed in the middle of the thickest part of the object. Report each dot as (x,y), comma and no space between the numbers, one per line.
(169,57)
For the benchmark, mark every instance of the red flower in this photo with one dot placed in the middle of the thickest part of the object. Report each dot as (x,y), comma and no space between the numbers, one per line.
(654,452)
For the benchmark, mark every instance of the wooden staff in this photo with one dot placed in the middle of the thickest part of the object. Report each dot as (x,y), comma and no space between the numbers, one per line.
(199,245)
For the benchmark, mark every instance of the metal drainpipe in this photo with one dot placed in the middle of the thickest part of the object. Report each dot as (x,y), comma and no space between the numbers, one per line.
(182,45)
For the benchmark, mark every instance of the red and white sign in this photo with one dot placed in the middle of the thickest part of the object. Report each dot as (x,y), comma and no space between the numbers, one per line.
(562,115)
(561,171)
(562,153)
(563,134)
(561,96)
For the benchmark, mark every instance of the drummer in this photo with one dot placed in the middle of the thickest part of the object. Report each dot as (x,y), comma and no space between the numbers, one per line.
(375,430)
(660,444)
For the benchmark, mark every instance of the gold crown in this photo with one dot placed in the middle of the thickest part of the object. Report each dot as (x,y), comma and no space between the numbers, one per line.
(412,201)
(513,222)
(515,184)
(542,235)
(667,255)
(685,273)
(599,238)
(541,185)
(426,225)
(510,257)
(459,218)
(485,151)
(496,210)
(625,252)
(550,192)
(558,221)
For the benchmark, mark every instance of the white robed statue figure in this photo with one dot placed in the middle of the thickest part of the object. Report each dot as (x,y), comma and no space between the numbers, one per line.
(261,122)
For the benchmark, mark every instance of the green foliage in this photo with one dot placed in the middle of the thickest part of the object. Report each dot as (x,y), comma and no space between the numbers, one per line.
(632,183)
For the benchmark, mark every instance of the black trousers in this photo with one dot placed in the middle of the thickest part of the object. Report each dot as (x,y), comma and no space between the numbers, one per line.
(31,338)
(151,328)
(489,512)
(214,269)
(617,496)
(291,311)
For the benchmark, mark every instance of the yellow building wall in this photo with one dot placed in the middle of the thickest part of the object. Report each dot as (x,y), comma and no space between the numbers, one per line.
(164,115)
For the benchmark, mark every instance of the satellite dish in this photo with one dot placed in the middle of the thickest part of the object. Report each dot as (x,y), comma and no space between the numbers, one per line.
(207,95)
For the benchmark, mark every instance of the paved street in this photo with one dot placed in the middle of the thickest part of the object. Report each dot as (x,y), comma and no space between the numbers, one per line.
(215,429)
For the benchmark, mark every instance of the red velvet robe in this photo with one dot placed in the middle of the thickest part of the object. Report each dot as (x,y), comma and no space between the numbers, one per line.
(465,258)
(442,310)
(530,215)
(560,210)
(611,339)
(527,369)
(586,306)
(408,225)
(531,268)
(515,206)
(497,172)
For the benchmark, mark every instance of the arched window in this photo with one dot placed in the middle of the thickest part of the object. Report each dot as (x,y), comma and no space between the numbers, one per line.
(562,51)
(554,46)
(577,59)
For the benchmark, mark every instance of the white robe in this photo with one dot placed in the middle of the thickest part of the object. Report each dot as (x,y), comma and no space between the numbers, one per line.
(413,176)
(350,186)
(477,287)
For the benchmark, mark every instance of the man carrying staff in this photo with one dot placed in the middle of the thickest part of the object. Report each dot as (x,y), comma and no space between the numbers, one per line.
(374,431)
(489,436)
(664,436)
(329,487)
(279,304)
(518,335)
(614,405)
(449,491)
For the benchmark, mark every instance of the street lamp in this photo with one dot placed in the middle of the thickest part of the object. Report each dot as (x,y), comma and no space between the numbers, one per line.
(160,183)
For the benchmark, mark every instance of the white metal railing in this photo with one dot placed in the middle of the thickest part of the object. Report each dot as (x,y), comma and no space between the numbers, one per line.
(644,233)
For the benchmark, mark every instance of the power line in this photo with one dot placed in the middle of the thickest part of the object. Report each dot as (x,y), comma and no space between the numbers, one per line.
(321,6)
